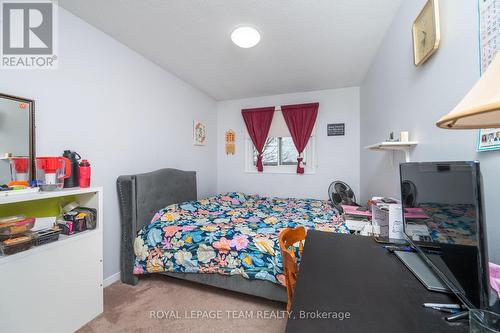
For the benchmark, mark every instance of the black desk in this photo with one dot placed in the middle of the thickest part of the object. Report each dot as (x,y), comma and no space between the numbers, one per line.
(349,273)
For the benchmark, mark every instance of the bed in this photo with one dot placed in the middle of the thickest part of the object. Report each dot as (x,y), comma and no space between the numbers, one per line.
(228,240)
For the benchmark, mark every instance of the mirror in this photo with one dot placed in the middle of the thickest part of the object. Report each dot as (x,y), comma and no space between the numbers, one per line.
(17,134)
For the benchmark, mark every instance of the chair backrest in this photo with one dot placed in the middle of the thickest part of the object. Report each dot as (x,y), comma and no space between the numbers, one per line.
(287,239)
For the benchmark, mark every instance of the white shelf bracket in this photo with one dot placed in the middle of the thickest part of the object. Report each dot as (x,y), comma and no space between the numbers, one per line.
(401,146)
(407,154)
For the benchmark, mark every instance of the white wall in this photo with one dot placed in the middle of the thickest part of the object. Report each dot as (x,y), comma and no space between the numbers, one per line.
(398,96)
(120,111)
(337,157)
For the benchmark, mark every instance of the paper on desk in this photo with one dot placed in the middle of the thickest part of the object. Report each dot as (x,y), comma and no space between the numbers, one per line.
(353,210)
(415,213)
(417,231)
(356,225)
(44,223)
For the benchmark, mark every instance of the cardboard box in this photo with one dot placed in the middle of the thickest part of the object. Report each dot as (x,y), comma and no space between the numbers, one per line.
(389,217)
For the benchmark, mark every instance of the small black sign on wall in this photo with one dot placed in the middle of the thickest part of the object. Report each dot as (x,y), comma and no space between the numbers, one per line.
(335,129)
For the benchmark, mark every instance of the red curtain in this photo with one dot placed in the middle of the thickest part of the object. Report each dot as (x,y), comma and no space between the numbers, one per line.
(300,120)
(258,122)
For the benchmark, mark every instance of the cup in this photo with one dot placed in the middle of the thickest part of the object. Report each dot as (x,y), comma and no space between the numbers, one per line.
(404,136)
(482,321)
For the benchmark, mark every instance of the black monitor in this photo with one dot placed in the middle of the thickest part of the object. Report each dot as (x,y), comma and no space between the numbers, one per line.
(444,220)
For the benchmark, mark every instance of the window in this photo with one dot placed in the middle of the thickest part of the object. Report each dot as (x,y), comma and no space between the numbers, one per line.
(279,151)
(280,156)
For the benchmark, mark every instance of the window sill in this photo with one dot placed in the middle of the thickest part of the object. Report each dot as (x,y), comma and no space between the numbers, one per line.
(284,172)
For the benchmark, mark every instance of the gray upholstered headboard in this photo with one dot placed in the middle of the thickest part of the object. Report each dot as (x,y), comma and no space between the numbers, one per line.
(140,196)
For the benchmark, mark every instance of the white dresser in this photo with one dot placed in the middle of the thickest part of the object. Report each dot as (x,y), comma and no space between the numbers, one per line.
(55,287)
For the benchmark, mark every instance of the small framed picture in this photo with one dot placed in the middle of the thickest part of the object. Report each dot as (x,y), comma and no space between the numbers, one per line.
(199,133)
(488,139)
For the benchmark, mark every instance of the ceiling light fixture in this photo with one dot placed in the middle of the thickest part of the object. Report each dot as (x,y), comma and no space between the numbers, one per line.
(245,37)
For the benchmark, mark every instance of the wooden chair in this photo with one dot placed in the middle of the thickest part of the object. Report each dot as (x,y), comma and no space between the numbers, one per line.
(287,238)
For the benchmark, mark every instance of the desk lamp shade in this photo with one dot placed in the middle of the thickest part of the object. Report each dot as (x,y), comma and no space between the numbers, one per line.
(481,106)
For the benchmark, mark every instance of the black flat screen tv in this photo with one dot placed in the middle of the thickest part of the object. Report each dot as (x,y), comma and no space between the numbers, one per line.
(444,221)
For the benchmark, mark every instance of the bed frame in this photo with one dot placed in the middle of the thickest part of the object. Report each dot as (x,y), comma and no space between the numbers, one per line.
(141,196)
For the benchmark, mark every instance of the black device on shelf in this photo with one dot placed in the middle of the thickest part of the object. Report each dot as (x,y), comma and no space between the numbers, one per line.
(46,236)
(450,193)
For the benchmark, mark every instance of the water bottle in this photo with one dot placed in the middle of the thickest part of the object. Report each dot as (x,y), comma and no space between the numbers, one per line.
(73,179)
(84,173)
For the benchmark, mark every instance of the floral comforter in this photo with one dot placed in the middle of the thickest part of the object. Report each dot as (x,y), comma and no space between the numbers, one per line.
(227,234)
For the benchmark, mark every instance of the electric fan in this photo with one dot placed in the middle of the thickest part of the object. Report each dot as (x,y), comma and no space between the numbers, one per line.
(341,194)
(408,193)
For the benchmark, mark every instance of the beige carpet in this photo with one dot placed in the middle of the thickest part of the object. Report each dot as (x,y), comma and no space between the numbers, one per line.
(164,304)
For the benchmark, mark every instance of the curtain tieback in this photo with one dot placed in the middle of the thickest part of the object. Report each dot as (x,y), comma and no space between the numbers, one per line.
(300,169)
(260,166)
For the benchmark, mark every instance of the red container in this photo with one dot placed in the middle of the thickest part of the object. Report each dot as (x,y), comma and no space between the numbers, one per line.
(21,164)
(51,172)
(84,173)
(19,169)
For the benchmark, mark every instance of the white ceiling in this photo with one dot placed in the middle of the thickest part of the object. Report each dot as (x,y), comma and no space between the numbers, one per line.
(306,45)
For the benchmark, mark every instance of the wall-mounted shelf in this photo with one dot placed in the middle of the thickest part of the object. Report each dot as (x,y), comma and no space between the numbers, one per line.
(395,145)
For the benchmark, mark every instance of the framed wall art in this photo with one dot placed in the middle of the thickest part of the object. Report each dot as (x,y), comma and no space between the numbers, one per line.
(199,133)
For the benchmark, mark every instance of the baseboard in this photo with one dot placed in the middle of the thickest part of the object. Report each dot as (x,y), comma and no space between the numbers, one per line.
(111,279)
